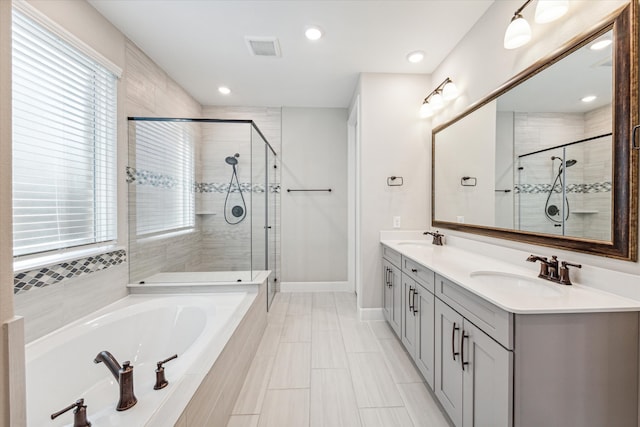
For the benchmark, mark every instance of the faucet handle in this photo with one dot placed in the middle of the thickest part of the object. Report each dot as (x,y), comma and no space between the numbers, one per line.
(437,237)
(161,381)
(80,413)
(564,278)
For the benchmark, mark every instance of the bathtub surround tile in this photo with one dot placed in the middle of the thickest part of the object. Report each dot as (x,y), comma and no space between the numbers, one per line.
(422,406)
(333,402)
(327,350)
(270,340)
(55,273)
(386,417)
(399,362)
(243,421)
(372,382)
(285,408)
(255,386)
(296,329)
(292,367)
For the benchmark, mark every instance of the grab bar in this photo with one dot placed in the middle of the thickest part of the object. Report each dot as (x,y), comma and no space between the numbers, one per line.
(291,191)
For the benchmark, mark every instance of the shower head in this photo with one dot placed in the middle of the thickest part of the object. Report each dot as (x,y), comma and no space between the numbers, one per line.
(232,160)
(570,163)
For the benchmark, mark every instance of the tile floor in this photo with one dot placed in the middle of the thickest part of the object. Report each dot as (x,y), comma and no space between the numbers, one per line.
(318,366)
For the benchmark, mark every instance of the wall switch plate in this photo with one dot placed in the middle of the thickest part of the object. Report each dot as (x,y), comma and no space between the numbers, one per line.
(396,222)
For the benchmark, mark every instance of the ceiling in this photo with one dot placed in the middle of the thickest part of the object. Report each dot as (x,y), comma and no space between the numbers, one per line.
(201,44)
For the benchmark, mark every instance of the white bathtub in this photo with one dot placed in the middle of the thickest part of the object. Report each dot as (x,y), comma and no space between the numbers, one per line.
(143,329)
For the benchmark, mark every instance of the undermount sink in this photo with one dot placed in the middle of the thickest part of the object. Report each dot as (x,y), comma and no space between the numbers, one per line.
(417,244)
(522,284)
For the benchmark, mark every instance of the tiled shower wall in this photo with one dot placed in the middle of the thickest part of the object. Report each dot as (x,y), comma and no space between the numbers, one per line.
(152,93)
(588,182)
(224,246)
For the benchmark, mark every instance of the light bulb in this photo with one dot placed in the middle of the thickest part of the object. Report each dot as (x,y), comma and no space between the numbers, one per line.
(550,10)
(518,33)
(449,91)
(415,57)
(313,33)
(436,101)
(426,110)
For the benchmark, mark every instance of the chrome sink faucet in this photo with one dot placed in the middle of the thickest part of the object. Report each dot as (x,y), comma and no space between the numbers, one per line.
(437,237)
(124,375)
(553,270)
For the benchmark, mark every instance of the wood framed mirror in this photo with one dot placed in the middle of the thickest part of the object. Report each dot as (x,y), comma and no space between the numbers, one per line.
(537,161)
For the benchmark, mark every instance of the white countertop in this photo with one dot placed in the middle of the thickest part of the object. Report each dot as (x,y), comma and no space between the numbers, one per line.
(538,296)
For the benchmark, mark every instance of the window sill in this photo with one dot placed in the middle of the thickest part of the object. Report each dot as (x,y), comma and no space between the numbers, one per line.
(33,263)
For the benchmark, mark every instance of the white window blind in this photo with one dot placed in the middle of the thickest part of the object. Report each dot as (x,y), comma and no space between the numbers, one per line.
(165,181)
(64,142)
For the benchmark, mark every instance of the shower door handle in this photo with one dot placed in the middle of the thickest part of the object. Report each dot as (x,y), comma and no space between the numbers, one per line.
(634,138)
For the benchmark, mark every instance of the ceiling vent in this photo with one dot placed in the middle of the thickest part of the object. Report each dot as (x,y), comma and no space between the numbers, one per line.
(263,46)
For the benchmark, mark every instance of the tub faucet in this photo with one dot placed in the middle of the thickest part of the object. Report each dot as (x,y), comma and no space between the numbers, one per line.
(124,375)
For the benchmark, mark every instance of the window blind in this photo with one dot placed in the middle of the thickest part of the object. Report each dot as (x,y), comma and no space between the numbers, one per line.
(165,180)
(64,142)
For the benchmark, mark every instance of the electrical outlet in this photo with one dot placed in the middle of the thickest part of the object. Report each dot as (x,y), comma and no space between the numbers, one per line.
(396,222)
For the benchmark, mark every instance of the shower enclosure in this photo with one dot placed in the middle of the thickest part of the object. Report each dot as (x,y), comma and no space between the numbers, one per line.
(566,190)
(202,200)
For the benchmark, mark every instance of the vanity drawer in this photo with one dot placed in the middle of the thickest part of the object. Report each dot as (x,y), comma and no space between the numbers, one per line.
(419,273)
(494,321)
(392,256)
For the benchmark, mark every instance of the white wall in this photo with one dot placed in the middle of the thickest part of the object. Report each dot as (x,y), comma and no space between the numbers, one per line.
(480,64)
(467,150)
(314,224)
(394,142)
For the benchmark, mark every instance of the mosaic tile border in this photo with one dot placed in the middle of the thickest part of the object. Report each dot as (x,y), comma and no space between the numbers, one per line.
(596,187)
(145,177)
(47,276)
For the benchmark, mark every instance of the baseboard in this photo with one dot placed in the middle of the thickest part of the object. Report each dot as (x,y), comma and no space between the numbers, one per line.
(365,314)
(314,287)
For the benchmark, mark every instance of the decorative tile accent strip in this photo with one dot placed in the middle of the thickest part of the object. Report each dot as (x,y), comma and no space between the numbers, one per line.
(144,177)
(596,187)
(53,274)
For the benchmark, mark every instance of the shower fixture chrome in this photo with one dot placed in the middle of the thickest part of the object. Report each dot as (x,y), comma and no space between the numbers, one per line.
(550,211)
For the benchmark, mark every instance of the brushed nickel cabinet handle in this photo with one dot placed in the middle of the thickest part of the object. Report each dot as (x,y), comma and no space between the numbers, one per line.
(463,363)
(453,340)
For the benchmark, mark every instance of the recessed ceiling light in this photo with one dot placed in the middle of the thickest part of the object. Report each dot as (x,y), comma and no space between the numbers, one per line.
(313,33)
(589,98)
(415,57)
(224,90)
(601,44)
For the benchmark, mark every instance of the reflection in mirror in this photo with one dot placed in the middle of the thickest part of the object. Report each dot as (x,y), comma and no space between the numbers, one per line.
(546,158)
(519,145)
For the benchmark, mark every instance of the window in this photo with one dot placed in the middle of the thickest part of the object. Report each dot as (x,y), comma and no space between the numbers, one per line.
(64,142)
(164,175)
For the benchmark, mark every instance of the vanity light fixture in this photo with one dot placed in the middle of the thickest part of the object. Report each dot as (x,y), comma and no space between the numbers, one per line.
(313,33)
(446,91)
(519,32)
(224,90)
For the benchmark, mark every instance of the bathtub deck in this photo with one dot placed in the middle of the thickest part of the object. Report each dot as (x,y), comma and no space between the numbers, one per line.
(317,365)
(198,282)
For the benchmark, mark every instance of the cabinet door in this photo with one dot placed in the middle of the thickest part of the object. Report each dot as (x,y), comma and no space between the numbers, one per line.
(387,293)
(409,319)
(487,379)
(396,290)
(425,335)
(448,369)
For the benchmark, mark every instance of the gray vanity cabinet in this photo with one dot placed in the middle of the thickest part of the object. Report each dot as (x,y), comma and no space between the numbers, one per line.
(409,320)
(392,289)
(473,373)
(424,357)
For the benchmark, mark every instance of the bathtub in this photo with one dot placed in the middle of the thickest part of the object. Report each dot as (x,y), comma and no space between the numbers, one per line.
(143,329)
